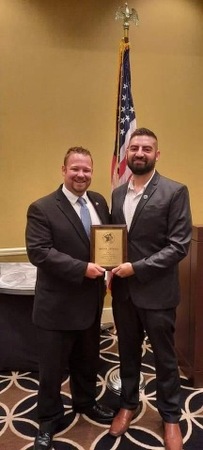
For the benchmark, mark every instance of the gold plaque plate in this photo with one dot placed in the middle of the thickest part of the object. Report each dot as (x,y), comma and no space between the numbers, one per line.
(108,245)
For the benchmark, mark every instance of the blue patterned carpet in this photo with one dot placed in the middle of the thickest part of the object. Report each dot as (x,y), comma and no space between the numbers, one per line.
(18,423)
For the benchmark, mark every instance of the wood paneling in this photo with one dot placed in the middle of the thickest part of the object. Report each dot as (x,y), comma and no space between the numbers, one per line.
(189,327)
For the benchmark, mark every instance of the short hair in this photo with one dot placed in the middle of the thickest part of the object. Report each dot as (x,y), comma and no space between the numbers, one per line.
(80,150)
(143,132)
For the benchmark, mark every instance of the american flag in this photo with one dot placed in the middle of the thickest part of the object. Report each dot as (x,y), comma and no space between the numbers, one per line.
(125,119)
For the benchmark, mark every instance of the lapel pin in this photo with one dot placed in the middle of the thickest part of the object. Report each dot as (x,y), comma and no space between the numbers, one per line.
(97,203)
(145,197)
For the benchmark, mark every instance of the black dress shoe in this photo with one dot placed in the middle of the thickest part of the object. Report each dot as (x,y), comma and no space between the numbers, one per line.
(43,441)
(98,412)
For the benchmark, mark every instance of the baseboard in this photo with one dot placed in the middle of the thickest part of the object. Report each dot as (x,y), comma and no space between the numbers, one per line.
(13,251)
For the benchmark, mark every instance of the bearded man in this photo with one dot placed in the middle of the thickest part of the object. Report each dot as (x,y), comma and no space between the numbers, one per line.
(145,289)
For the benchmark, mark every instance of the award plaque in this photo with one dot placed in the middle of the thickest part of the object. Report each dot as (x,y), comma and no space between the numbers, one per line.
(108,245)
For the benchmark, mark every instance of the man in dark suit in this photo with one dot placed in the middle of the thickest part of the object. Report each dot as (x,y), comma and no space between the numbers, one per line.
(145,289)
(69,295)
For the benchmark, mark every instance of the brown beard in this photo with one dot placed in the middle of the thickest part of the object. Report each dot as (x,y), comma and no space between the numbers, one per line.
(141,170)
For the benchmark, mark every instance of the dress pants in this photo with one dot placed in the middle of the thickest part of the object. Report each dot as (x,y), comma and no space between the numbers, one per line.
(131,323)
(75,351)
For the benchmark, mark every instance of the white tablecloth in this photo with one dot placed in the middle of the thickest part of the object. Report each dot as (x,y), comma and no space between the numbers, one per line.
(17,278)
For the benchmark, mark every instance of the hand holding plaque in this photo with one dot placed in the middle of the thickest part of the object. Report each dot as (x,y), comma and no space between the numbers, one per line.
(108,245)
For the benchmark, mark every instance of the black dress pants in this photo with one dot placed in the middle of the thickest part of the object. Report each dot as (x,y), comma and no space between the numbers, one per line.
(131,323)
(77,351)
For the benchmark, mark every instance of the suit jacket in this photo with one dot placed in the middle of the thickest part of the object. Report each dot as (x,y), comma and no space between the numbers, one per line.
(58,245)
(158,239)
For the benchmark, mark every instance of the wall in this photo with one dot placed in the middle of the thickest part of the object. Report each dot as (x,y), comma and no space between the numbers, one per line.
(58,82)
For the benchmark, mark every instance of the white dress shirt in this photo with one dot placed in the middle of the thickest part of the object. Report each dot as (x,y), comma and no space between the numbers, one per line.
(73,200)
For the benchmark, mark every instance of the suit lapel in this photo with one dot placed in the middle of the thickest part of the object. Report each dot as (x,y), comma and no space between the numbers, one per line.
(98,206)
(152,186)
(65,206)
(119,203)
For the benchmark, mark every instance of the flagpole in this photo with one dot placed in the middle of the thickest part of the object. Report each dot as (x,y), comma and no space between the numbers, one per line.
(119,171)
(124,87)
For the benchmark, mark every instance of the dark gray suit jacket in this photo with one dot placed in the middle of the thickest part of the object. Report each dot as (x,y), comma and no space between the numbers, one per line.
(58,245)
(158,239)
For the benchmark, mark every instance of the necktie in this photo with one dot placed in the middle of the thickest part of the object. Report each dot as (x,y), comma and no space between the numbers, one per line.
(85,215)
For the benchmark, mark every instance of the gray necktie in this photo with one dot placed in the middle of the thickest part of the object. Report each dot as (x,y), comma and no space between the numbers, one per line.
(85,215)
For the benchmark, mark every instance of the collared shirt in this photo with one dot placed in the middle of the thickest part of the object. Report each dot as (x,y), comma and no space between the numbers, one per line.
(131,201)
(73,200)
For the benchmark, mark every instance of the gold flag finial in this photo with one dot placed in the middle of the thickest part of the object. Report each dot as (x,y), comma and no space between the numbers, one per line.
(126,15)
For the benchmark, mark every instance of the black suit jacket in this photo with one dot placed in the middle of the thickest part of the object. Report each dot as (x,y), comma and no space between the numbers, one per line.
(58,245)
(158,239)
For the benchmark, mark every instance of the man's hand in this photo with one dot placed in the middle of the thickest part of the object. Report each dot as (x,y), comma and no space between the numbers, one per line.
(124,270)
(94,270)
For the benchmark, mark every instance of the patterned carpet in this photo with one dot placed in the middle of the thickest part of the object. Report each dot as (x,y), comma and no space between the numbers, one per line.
(18,423)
